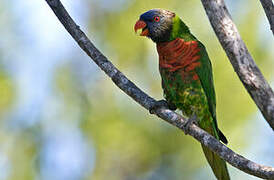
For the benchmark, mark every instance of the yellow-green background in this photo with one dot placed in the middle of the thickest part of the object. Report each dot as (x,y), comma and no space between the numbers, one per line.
(62,118)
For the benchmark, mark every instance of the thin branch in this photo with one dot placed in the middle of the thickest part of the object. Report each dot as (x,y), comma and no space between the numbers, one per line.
(240,58)
(269,11)
(146,101)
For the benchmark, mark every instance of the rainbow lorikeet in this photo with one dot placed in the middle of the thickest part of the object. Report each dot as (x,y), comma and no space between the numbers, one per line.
(186,74)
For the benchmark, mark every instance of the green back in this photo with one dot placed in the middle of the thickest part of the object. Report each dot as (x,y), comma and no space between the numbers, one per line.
(179,29)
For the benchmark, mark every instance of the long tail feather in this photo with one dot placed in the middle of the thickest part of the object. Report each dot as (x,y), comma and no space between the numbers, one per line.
(217,164)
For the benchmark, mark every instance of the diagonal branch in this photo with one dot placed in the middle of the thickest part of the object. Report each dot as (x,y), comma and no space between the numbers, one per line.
(269,11)
(240,58)
(146,101)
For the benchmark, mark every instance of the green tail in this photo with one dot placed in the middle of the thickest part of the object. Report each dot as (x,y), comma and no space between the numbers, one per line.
(217,164)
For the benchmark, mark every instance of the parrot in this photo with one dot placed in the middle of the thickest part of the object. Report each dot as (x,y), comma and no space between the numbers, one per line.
(186,76)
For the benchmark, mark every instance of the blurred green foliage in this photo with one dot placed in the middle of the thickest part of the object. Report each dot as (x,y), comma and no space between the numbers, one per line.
(6,92)
(129,142)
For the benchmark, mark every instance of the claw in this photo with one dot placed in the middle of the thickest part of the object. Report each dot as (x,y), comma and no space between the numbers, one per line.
(158,104)
(172,106)
(191,120)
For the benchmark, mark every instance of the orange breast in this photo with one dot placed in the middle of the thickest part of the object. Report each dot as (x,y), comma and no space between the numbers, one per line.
(179,55)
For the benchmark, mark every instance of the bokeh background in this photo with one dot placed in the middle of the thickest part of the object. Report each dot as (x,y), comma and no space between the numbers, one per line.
(61,118)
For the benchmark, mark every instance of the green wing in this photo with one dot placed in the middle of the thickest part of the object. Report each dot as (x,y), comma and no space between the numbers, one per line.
(205,75)
(206,78)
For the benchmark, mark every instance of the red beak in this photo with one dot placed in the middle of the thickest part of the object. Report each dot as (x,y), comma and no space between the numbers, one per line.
(141,25)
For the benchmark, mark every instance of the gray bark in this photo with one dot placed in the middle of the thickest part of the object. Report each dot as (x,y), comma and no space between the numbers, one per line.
(269,11)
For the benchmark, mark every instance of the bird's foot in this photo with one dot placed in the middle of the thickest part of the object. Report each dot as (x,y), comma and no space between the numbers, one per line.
(190,121)
(156,105)
(161,103)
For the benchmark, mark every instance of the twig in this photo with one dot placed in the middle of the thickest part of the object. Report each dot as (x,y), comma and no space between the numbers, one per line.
(269,11)
(146,101)
(240,58)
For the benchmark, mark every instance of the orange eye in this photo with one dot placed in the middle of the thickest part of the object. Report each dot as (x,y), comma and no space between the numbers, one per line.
(156,18)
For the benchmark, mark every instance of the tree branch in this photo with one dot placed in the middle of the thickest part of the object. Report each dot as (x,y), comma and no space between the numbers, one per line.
(146,101)
(240,58)
(269,11)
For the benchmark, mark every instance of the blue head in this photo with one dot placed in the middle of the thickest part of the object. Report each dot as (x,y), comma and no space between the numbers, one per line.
(156,24)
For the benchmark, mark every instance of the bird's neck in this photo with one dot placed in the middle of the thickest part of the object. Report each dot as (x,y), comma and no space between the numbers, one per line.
(180,30)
